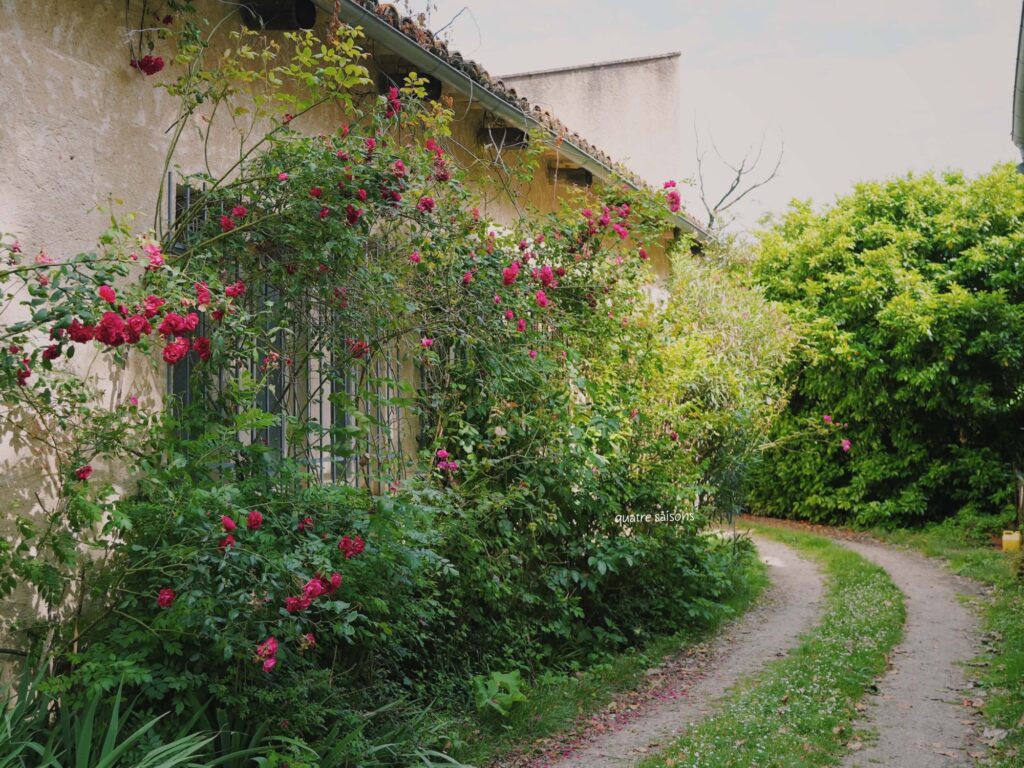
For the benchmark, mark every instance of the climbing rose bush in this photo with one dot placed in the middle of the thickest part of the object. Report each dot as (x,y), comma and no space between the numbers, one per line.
(402,439)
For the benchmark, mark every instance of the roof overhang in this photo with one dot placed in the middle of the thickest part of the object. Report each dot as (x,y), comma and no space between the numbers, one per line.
(428,63)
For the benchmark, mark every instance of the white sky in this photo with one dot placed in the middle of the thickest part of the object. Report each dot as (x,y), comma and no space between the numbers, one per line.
(859,89)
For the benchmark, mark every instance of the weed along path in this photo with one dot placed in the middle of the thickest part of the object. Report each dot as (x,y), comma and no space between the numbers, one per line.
(918,714)
(686,687)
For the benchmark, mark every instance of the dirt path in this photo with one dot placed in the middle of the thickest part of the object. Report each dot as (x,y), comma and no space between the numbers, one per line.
(918,713)
(685,688)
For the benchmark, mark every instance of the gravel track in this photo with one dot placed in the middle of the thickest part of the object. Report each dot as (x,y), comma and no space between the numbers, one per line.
(687,687)
(918,714)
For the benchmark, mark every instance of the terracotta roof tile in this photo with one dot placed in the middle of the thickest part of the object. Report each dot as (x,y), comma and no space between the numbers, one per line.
(428,41)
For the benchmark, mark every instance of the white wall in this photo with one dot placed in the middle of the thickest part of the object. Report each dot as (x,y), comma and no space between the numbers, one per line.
(628,109)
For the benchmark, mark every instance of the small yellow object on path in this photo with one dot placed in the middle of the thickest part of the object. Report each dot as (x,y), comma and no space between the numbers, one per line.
(1011,541)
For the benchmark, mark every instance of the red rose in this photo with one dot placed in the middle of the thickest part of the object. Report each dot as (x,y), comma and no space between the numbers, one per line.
(305,523)
(254,521)
(314,588)
(111,330)
(361,195)
(148,65)
(358,349)
(172,324)
(352,214)
(316,192)
(239,211)
(228,523)
(201,346)
(138,326)
(165,599)
(325,212)
(80,333)
(426,204)
(351,546)
(107,294)
(235,289)
(203,296)
(394,104)
(226,223)
(176,350)
(296,604)
(82,473)
(335,583)
(510,273)
(267,649)
(310,639)
(52,352)
(152,305)
(227,541)
(441,172)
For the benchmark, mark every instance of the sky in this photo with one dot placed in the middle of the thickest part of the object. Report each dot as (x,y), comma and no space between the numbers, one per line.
(856,89)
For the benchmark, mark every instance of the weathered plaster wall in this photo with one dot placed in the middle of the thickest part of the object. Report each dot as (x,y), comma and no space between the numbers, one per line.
(83,131)
(630,109)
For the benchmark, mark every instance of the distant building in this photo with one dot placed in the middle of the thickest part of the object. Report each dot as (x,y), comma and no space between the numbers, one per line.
(630,108)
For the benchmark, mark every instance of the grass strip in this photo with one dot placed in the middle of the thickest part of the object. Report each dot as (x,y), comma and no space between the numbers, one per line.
(556,701)
(798,711)
(1002,678)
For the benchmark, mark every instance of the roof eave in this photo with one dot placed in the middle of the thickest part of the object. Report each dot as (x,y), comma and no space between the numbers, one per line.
(428,63)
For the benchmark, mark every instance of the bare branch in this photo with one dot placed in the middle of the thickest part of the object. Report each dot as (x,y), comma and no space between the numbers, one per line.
(740,184)
(752,187)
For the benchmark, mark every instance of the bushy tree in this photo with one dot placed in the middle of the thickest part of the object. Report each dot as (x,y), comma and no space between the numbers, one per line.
(908,394)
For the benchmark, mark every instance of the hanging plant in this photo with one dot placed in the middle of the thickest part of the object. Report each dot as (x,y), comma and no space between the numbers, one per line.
(154,24)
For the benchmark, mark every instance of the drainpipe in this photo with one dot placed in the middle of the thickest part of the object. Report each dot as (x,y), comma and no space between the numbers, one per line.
(1018,96)
(427,63)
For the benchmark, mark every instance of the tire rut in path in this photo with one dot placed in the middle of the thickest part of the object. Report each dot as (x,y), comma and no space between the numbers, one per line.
(790,607)
(918,714)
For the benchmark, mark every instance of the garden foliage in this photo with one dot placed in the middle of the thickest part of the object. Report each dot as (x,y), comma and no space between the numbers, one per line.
(409,438)
(908,392)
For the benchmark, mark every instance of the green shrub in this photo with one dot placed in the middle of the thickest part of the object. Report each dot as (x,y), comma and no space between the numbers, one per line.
(911,303)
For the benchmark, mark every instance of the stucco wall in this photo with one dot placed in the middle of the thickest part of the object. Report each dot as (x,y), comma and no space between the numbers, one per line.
(629,109)
(83,131)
